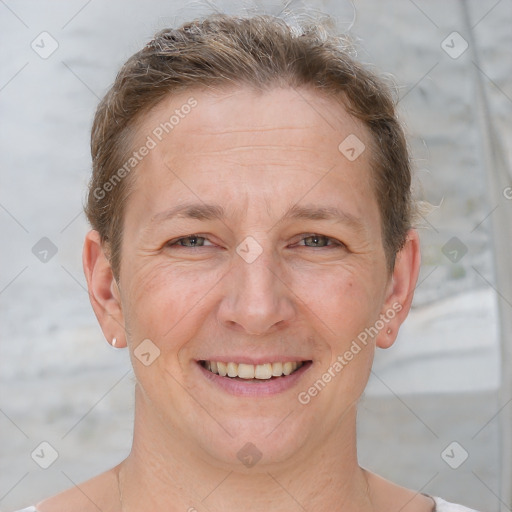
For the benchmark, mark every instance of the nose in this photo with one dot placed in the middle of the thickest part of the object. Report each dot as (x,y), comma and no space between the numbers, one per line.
(257,300)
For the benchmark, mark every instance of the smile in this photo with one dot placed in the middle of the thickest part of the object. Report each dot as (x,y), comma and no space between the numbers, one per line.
(253,380)
(252,371)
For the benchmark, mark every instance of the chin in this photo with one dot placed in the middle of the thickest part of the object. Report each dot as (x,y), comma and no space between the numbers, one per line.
(258,442)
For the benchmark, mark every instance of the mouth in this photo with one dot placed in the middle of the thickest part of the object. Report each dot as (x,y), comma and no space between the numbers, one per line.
(244,379)
(244,371)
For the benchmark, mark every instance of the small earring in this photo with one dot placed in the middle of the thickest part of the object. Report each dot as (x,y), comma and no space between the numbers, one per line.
(114,341)
(388,331)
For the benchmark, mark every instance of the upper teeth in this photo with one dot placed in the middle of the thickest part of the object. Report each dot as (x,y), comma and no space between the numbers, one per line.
(252,371)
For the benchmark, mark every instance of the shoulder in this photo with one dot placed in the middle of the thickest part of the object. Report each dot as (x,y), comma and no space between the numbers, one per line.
(390,496)
(99,492)
(445,506)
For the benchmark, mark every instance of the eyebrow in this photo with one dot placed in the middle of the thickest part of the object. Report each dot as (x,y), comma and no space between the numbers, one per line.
(204,212)
(312,212)
(199,211)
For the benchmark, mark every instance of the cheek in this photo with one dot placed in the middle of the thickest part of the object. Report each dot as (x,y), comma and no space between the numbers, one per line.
(163,305)
(164,301)
(345,299)
(343,304)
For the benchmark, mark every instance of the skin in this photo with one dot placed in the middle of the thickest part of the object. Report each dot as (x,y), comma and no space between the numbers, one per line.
(256,154)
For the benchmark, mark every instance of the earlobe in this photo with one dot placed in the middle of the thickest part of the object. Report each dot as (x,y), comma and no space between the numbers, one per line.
(103,290)
(401,289)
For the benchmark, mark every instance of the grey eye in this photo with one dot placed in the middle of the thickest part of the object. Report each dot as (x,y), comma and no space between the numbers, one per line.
(191,241)
(317,240)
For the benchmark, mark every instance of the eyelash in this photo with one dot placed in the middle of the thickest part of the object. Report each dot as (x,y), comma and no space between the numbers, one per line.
(334,242)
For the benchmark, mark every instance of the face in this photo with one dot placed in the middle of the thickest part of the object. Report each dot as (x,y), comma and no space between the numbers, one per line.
(251,239)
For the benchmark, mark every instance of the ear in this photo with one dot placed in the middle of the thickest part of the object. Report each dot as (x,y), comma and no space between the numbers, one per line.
(103,290)
(400,290)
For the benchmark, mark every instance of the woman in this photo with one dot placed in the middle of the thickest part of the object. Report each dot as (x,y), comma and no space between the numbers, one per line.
(252,244)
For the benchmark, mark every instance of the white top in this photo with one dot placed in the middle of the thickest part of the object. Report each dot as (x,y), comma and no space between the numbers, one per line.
(441,506)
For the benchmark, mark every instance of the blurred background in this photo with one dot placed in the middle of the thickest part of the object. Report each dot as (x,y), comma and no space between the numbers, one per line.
(436,415)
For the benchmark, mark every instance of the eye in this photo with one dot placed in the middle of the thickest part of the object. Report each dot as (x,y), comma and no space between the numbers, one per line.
(320,241)
(189,241)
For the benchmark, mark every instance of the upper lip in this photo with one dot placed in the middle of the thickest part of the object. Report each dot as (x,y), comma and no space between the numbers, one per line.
(244,359)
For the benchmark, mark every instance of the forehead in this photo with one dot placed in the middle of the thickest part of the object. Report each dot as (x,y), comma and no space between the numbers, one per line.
(268,145)
(312,116)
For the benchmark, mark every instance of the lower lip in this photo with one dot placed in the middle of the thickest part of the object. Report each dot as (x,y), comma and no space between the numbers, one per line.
(255,387)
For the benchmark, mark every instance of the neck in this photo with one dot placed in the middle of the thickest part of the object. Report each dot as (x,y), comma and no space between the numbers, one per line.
(165,471)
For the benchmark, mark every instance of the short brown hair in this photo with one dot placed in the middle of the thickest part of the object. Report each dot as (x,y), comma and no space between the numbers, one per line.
(259,51)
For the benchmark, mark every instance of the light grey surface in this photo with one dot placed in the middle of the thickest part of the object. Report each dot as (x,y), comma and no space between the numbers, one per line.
(62,384)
